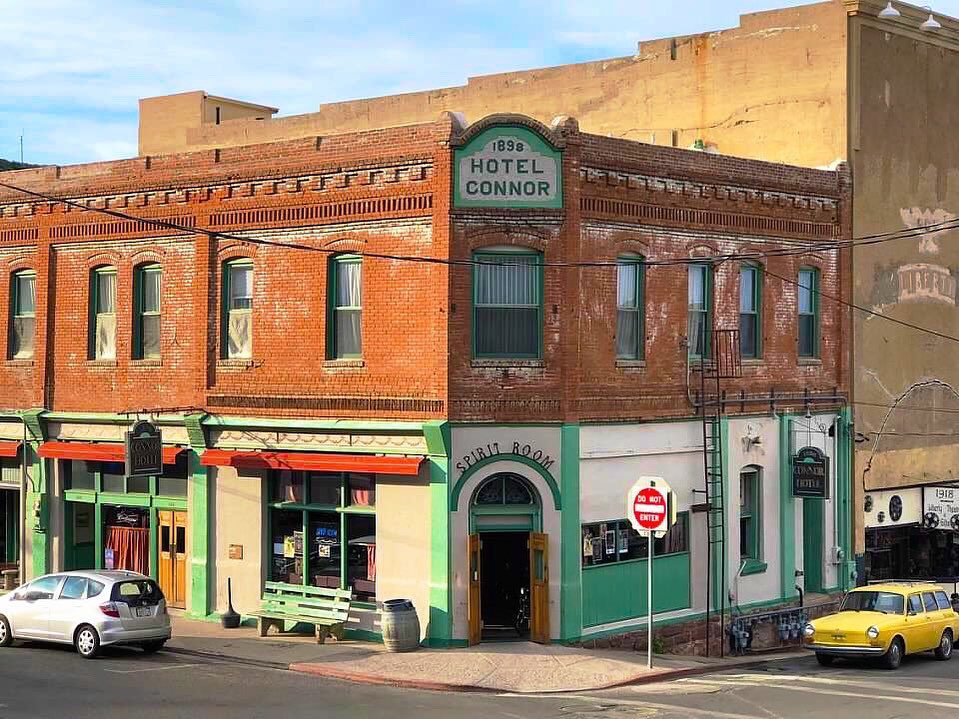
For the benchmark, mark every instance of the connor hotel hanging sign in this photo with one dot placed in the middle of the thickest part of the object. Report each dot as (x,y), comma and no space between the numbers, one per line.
(508,167)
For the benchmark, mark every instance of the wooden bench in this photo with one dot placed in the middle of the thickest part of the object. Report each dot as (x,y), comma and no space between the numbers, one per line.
(326,609)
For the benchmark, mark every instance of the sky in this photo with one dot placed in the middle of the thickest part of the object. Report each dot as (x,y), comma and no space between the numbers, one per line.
(73,70)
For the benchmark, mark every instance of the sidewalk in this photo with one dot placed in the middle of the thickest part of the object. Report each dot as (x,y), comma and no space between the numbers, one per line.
(520,667)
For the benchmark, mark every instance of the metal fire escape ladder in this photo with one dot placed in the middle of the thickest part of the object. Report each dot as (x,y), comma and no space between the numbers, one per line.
(722,361)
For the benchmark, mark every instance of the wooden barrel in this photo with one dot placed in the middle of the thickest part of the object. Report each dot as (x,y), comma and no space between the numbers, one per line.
(400,625)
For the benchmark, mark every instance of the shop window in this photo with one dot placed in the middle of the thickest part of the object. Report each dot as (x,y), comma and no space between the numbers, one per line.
(700,306)
(146,329)
(80,475)
(237,339)
(630,307)
(103,314)
(113,477)
(808,312)
(329,538)
(23,288)
(507,304)
(750,515)
(138,485)
(345,308)
(750,311)
(173,481)
(617,541)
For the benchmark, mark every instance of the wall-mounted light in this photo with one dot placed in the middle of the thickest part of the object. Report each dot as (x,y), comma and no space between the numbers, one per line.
(889,12)
(931,23)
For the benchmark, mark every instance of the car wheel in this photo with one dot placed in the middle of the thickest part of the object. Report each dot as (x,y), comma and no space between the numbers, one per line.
(825,660)
(87,642)
(6,634)
(152,647)
(893,656)
(944,650)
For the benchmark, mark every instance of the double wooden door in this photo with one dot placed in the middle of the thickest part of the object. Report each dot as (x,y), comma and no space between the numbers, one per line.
(172,556)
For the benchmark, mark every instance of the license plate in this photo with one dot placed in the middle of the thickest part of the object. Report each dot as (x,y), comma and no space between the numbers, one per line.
(144,612)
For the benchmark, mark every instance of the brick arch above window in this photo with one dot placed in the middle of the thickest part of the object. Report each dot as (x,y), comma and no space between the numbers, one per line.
(236,251)
(102,259)
(703,250)
(147,256)
(632,246)
(18,264)
(499,241)
(342,245)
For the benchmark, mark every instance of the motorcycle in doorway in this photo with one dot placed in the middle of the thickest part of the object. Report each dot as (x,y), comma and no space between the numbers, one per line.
(522,615)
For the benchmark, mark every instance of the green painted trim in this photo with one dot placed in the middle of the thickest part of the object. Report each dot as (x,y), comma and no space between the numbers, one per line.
(616,592)
(438,438)
(201,594)
(38,512)
(845,505)
(319,424)
(124,500)
(571,587)
(332,265)
(363,635)
(85,496)
(446,643)
(98,536)
(34,419)
(194,430)
(722,560)
(178,503)
(753,566)
(154,545)
(474,468)
(440,627)
(787,511)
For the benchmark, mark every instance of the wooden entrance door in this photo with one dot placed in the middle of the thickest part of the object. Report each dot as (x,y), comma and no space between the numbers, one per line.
(475,622)
(539,587)
(172,554)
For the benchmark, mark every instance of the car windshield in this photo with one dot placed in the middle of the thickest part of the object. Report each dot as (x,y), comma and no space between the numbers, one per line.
(885,602)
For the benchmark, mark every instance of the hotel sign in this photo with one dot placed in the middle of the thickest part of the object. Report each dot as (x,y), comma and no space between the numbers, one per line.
(811,474)
(508,167)
(144,450)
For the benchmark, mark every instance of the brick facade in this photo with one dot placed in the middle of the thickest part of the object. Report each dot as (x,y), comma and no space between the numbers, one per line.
(388,192)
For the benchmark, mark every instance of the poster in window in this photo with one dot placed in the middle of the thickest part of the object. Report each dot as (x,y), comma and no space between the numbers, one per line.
(324,550)
(289,547)
(611,542)
(298,543)
(108,558)
(623,541)
(587,543)
(597,550)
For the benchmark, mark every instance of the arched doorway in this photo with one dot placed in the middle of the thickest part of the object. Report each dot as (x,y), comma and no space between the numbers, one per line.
(508,561)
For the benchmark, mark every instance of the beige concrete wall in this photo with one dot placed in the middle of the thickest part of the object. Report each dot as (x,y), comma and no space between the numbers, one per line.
(773,88)
(237,518)
(164,121)
(403,541)
(906,171)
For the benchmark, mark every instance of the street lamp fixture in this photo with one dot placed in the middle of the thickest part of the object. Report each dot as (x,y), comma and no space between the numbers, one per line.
(931,23)
(889,12)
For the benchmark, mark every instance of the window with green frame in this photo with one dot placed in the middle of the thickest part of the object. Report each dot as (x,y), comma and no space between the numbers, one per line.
(147,283)
(23,300)
(345,303)
(333,517)
(808,306)
(700,309)
(750,311)
(110,478)
(630,308)
(237,322)
(617,541)
(750,519)
(507,304)
(102,341)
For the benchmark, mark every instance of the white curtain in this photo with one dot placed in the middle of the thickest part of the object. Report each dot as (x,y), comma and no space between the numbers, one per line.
(23,321)
(348,341)
(512,283)
(106,337)
(627,316)
(26,294)
(239,334)
(805,292)
(348,284)
(151,291)
(106,292)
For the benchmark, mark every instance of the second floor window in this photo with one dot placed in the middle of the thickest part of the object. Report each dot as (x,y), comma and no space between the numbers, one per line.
(23,322)
(750,313)
(147,283)
(507,305)
(238,309)
(629,309)
(103,325)
(699,290)
(808,313)
(346,308)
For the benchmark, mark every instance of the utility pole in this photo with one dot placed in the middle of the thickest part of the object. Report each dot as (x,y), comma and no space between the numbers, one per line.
(21,147)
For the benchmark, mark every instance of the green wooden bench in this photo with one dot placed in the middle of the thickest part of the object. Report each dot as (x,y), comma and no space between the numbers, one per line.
(326,609)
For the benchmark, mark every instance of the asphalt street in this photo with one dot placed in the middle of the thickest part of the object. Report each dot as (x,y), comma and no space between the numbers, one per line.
(38,682)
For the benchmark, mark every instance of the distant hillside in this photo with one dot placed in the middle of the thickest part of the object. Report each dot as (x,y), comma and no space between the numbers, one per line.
(11,165)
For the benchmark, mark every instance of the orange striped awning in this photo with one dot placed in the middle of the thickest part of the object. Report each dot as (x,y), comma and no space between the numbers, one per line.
(97,452)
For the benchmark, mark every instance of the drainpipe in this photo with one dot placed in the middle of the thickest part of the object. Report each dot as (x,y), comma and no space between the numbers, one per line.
(21,578)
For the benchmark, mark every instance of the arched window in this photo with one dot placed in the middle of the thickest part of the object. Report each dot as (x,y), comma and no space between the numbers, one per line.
(102,340)
(345,308)
(504,488)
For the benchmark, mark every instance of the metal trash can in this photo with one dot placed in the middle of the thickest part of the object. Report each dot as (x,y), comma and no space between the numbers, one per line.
(400,625)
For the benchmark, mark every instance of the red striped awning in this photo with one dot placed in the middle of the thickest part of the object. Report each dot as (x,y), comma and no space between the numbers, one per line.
(95,452)
(312,462)
(9,449)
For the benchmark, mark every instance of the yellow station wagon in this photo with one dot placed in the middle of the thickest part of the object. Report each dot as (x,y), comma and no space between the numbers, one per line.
(886,621)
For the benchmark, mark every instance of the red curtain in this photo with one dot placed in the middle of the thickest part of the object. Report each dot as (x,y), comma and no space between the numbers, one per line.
(371,562)
(131,547)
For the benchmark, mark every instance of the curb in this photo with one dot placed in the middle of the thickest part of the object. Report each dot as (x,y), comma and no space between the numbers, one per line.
(635,680)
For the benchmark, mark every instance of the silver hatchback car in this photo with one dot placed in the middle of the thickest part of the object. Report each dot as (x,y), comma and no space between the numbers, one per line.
(88,609)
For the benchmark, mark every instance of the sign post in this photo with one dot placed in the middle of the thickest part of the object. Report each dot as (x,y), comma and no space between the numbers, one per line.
(651,511)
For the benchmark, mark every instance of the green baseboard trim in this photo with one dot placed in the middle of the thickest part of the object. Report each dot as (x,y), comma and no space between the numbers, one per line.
(364,635)
(446,643)
(753,567)
(217,616)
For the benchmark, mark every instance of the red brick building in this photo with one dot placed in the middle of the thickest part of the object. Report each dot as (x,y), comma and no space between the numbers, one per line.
(365,349)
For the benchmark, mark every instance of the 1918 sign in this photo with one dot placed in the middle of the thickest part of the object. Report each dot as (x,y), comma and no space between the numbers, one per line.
(811,474)
(144,450)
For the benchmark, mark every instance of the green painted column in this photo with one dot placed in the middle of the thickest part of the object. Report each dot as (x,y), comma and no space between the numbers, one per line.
(199,518)
(787,511)
(37,521)
(440,630)
(845,509)
(571,589)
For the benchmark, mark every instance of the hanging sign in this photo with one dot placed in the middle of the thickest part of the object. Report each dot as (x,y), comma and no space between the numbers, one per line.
(508,166)
(940,508)
(144,450)
(811,474)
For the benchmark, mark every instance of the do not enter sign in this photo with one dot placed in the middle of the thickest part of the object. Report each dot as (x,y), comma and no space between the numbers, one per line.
(649,508)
